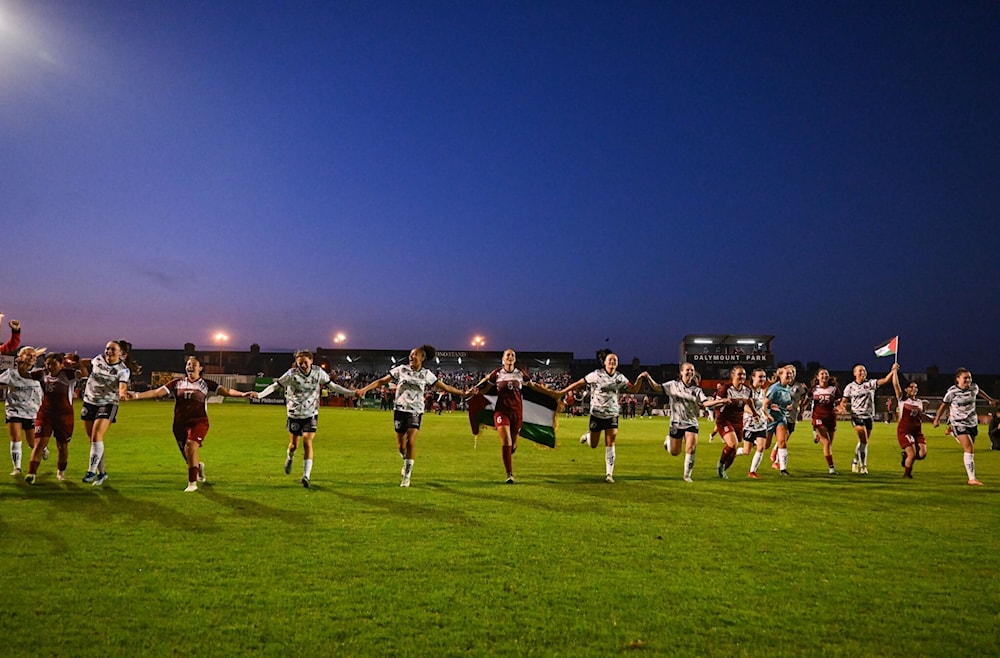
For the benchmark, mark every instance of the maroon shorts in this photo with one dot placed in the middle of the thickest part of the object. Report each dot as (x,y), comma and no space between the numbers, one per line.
(58,425)
(514,421)
(829,422)
(723,428)
(907,439)
(191,431)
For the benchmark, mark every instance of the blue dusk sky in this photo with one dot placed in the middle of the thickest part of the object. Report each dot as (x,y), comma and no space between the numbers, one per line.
(550,175)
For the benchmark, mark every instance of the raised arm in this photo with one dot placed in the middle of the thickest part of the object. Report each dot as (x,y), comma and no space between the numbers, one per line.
(373,385)
(895,383)
(572,387)
(888,376)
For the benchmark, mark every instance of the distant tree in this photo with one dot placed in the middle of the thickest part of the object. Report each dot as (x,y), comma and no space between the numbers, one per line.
(189,348)
(813,366)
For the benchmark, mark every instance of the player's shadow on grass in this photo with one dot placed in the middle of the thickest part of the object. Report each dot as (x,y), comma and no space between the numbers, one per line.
(409,509)
(505,493)
(252,509)
(106,501)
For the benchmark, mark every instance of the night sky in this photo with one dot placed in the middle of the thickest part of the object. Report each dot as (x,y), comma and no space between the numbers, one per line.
(551,175)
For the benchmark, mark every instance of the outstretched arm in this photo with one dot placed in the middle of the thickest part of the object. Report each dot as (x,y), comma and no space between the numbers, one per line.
(373,385)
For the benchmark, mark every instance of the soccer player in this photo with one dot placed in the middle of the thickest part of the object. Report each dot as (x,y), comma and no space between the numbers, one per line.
(508,412)
(606,385)
(55,417)
(24,397)
(792,415)
(687,399)
(780,411)
(960,400)
(908,431)
(825,395)
(755,425)
(303,385)
(733,399)
(860,393)
(190,413)
(106,385)
(412,381)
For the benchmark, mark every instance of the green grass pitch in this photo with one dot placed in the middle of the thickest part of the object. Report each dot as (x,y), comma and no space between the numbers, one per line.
(559,564)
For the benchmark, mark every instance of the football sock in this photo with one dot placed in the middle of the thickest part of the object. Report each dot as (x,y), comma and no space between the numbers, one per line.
(15,454)
(688,464)
(609,458)
(307,467)
(758,457)
(506,452)
(33,467)
(783,458)
(62,465)
(863,453)
(96,455)
(970,465)
(192,474)
(829,460)
(408,467)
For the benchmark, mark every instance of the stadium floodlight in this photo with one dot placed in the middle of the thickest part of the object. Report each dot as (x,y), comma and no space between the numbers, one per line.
(544,363)
(746,341)
(703,341)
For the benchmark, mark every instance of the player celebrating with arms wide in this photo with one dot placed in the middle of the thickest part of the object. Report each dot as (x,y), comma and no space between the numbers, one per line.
(687,399)
(302,384)
(861,395)
(190,413)
(106,385)
(606,385)
(412,380)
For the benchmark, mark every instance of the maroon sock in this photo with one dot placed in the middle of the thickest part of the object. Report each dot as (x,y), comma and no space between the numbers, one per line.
(829,460)
(33,467)
(192,473)
(728,456)
(62,465)
(506,452)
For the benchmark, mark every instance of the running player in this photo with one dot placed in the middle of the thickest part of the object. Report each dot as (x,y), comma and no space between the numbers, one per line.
(412,381)
(24,397)
(687,399)
(825,395)
(106,385)
(860,393)
(960,400)
(780,405)
(605,385)
(508,412)
(190,413)
(755,425)
(733,399)
(303,385)
(909,432)
(55,417)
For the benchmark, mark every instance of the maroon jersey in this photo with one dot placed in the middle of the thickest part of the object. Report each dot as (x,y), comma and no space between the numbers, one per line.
(192,398)
(508,390)
(824,399)
(910,412)
(57,391)
(732,412)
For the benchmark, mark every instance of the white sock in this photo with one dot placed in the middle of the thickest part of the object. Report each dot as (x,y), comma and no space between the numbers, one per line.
(609,458)
(15,454)
(758,457)
(783,458)
(688,464)
(307,467)
(408,467)
(96,455)
(863,454)
(970,464)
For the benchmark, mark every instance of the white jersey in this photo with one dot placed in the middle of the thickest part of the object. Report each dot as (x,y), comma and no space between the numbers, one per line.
(962,405)
(604,391)
(862,398)
(686,403)
(758,423)
(410,387)
(24,395)
(302,391)
(102,384)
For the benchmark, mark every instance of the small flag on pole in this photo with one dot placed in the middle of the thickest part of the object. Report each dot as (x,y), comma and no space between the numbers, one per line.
(888,348)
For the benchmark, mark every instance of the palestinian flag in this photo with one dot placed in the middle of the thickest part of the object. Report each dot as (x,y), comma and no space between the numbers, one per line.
(539,410)
(888,348)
